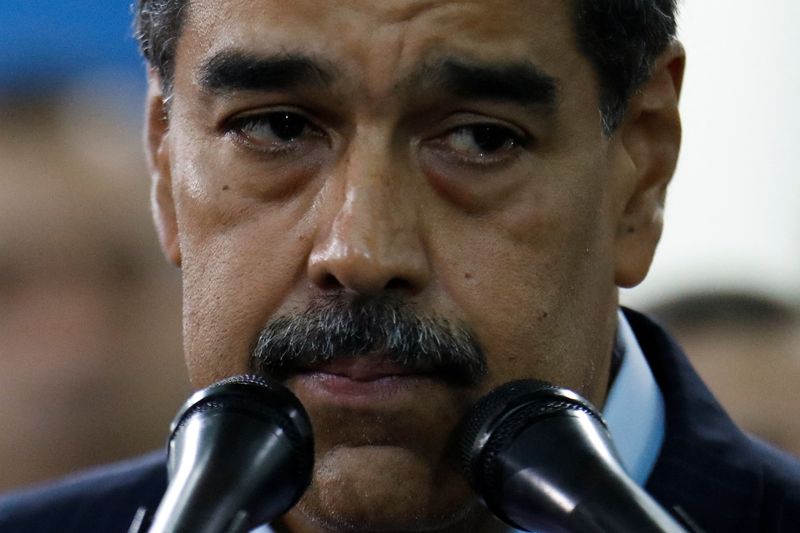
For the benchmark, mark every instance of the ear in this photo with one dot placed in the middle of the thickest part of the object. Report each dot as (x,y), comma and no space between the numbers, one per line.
(650,134)
(158,164)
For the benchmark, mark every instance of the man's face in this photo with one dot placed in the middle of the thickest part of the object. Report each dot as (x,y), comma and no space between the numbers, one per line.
(448,155)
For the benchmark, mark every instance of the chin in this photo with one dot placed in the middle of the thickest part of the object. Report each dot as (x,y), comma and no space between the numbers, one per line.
(383,488)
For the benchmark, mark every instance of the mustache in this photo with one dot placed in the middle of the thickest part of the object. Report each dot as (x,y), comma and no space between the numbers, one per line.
(337,326)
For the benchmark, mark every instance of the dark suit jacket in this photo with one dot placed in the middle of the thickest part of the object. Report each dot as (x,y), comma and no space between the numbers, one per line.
(723,479)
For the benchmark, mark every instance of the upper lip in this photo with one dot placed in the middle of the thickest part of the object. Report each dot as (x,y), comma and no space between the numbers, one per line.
(365,368)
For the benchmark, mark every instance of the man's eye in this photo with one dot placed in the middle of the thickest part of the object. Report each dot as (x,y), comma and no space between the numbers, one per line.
(275,130)
(482,141)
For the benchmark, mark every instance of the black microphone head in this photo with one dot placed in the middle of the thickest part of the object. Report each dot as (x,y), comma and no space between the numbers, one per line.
(258,397)
(541,458)
(497,418)
(240,453)
(492,428)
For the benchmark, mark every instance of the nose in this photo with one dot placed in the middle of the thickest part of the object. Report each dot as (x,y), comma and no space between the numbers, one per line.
(374,242)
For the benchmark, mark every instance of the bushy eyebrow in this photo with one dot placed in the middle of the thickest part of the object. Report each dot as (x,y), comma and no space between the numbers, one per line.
(234,70)
(519,83)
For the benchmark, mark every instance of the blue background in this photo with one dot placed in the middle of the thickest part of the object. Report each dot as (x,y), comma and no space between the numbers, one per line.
(44,43)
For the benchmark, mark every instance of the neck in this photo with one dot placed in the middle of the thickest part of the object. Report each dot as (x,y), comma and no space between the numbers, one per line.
(478,519)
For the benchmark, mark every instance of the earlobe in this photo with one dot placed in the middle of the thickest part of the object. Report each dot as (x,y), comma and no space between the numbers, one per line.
(650,134)
(158,164)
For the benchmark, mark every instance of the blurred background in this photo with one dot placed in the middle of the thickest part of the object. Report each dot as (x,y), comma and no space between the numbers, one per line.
(90,353)
(726,278)
(90,358)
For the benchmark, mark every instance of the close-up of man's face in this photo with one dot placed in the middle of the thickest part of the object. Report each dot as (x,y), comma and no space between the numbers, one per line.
(394,207)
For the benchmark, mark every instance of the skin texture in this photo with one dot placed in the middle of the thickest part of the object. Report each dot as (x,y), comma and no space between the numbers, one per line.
(388,194)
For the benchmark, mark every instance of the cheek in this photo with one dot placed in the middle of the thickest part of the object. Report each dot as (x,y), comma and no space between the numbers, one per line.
(537,286)
(241,257)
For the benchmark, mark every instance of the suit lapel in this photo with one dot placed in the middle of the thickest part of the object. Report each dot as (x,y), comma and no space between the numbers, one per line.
(706,466)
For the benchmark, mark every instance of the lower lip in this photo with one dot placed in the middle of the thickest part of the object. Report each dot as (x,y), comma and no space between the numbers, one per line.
(336,386)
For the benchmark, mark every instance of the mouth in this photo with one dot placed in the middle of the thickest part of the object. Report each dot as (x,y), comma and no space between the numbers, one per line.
(358,380)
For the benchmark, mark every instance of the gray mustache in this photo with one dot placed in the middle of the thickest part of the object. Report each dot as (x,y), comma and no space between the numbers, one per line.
(338,326)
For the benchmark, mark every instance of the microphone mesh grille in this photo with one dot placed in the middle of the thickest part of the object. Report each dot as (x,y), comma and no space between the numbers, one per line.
(496,420)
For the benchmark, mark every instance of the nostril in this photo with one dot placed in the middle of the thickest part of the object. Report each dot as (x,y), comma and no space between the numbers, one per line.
(364,273)
(329,281)
(399,284)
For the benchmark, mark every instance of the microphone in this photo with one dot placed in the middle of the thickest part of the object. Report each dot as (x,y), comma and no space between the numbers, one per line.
(541,459)
(240,454)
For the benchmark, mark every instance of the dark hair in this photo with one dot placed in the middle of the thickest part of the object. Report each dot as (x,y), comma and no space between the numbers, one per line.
(621,38)
(157,25)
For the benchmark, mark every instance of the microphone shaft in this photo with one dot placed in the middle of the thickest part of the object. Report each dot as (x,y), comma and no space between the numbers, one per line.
(557,483)
(209,489)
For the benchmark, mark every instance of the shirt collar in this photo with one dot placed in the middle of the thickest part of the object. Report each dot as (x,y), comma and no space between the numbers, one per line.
(634,410)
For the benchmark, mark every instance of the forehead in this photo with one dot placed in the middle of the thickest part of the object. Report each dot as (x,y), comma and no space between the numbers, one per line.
(389,37)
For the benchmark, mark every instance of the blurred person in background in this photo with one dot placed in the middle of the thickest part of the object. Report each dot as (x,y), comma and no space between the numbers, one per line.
(90,367)
(746,347)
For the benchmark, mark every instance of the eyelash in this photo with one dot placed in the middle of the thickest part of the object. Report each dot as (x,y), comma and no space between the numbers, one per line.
(514,144)
(238,126)
(515,140)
